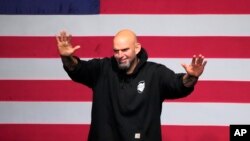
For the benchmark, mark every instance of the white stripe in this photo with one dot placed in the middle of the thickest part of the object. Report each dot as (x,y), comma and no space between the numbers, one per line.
(45,112)
(205,113)
(216,68)
(108,25)
(51,69)
(80,112)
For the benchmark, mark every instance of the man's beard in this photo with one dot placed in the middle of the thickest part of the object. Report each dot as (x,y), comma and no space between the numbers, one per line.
(124,66)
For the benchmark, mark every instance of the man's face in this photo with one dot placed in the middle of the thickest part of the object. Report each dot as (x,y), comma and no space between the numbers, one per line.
(124,53)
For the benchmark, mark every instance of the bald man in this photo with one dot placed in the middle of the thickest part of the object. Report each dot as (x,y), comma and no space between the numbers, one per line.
(128,90)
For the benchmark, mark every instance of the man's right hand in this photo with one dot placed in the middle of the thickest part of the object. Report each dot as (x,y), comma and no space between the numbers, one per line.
(66,50)
(64,45)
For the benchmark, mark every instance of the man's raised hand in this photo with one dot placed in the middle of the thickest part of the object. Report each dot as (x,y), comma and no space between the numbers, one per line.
(196,67)
(64,45)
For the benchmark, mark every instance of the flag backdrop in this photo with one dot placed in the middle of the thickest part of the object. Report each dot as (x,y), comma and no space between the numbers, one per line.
(38,101)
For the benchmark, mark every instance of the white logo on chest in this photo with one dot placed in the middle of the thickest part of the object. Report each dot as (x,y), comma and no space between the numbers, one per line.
(141,86)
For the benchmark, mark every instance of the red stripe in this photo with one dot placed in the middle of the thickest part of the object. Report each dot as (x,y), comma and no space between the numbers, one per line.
(175,7)
(66,90)
(43,132)
(195,133)
(171,47)
(37,47)
(43,90)
(219,91)
(46,132)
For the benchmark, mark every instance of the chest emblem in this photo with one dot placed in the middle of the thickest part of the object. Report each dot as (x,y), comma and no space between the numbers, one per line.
(141,86)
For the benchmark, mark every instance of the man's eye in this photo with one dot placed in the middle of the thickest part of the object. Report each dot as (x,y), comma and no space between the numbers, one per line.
(125,50)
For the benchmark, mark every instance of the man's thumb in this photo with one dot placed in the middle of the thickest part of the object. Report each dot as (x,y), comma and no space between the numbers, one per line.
(76,47)
(184,66)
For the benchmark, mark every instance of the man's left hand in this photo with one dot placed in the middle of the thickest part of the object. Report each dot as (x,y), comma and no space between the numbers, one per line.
(196,67)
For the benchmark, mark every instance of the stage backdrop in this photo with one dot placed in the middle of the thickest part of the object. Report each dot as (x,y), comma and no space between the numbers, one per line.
(38,101)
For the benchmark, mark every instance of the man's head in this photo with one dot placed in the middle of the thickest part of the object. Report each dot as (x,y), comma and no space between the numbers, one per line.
(126,48)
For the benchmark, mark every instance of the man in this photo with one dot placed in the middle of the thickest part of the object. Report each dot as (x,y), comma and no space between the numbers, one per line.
(128,91)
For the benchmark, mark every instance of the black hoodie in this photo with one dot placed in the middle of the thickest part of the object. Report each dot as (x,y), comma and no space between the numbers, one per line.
(127,107)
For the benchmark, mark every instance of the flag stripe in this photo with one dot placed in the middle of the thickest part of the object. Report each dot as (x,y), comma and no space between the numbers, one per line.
(99,46)
(65,90)
(44,90)
(43,132)
(51,69)
(195,133)
(79,132)
(173,113)
(219,91)
(175,7)
(100,25)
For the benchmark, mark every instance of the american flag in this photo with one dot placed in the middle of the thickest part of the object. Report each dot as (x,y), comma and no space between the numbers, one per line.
(38,101)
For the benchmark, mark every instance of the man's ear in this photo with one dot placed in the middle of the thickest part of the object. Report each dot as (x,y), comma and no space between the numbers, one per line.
(137,48)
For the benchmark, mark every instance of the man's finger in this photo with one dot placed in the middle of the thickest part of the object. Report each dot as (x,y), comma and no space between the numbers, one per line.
(204,63)
(69,38)
(200,60)
(63,36)
(193,60)
(58,39)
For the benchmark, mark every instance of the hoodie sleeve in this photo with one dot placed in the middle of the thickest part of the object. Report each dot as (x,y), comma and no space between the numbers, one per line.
(171,84)
(86,72)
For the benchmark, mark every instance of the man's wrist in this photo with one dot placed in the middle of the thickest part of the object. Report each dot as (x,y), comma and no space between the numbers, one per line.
(189,80)
(70,62)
